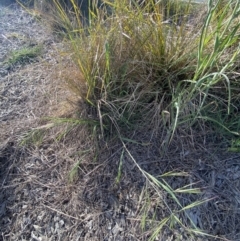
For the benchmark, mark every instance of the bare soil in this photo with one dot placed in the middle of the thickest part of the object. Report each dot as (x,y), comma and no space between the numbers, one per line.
(38,201)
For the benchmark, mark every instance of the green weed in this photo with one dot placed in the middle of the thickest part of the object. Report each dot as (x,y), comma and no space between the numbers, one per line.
(119,174)
(235,145)
(73,174)
(35,136)
(24,55)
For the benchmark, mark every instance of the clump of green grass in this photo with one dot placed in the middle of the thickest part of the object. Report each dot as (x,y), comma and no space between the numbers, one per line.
(159,66)
(24,55)
(132,57)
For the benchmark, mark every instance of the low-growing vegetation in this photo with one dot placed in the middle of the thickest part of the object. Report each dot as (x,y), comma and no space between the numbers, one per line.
(24,55)
(162,67)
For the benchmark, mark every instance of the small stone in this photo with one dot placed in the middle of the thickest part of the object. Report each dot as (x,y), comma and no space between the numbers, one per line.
(90,224)
(56,226)
(109,226)
(40,217)
(36,227)
(61,222)
(116,229)
(35,238)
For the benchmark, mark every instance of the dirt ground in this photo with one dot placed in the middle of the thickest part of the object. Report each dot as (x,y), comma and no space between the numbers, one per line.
(39,202)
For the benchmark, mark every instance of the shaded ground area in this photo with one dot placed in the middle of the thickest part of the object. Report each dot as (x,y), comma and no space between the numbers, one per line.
(37,199)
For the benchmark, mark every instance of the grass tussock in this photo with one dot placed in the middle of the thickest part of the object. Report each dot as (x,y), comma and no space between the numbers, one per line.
(139,62)
(159,66)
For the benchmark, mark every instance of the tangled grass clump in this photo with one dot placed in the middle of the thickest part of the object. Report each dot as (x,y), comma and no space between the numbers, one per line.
(168,54)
